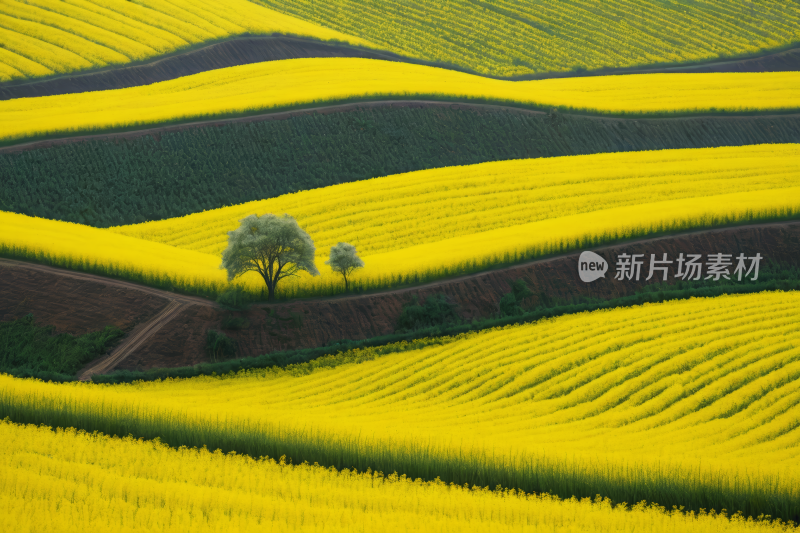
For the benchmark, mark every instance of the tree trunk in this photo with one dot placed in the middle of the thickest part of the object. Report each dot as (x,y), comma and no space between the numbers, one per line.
(270,287)
(346,286)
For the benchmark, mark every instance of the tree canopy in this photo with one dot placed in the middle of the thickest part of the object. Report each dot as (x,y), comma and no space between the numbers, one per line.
(275,247)
(344,260)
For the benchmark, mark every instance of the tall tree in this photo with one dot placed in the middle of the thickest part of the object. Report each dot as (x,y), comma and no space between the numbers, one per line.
(275,247)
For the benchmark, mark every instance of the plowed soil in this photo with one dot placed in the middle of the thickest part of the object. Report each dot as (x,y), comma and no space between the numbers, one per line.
(77,303)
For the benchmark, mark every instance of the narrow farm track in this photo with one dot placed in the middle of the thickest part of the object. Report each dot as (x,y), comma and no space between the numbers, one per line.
(246,50)
(181,298)
(133,341)
(176,304)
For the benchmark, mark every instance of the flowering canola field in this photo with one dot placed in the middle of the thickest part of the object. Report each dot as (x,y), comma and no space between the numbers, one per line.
(434,223)
(45,37)
(499,37)
(517,37)
(305,82)
(694,400)
(72,481)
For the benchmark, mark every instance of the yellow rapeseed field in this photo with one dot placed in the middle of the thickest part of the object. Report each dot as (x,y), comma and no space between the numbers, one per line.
(697,397)
(70,481)
(42,37)
(517,37)
(435,223)
(280,84)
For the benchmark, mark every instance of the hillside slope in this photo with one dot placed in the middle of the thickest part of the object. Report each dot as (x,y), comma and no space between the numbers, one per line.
(443,222)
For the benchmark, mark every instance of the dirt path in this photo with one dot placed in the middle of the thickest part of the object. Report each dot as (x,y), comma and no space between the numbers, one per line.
(176,304)
(182,298)
(133,341)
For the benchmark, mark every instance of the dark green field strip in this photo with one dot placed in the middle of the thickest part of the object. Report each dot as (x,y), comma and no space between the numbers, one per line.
(123,180)
(246,50)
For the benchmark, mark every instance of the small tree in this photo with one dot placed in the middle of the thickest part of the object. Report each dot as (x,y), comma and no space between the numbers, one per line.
(344,260)
(275,247)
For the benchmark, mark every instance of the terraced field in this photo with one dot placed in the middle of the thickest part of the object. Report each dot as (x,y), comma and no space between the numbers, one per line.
(517,37)
(46,37)
(270,86)
(692,401)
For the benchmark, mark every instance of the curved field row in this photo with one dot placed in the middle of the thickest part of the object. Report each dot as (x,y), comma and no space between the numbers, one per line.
(691,402)
(261,87)
(72,481)
(45,37)
(432,224)
(512,37)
